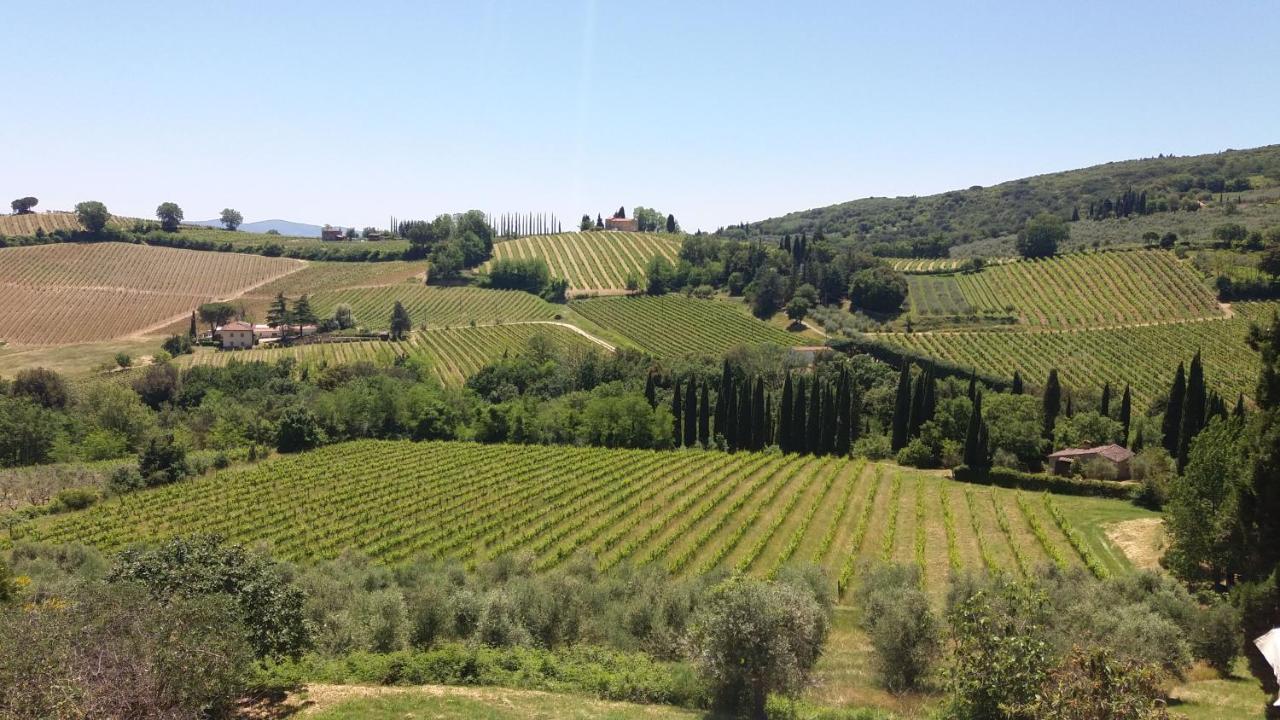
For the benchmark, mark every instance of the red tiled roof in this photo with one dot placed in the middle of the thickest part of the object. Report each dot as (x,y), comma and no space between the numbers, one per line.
(1114,453)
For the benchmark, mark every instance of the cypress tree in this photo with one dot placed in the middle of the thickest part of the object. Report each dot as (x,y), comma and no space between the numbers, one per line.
(746,440)
(1193,410)
(1172,425)
(192,330)
(855,417)
(731,416)
(984,446)
(972,435)
(813,433)
(1016,387)
(722,400)
(759,417)
(799,416)
(651,391)
(902,409)
(784,416)
(1239,411)
(916,418)
(841,445)
(973,384)
(1126,410)
(930,404)
(704,419)
(770,437)
(1052,403)
(1104,408)
(1070,409)
(690,415)
(677,411)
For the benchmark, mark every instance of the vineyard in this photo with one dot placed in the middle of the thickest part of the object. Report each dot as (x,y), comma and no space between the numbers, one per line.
(1087,290)
(938,265)
(64,293)
(454,354)
(688,512)
(29,223)
(592,261)
(674,325)
(435,306)
(1144,356)
(321,275)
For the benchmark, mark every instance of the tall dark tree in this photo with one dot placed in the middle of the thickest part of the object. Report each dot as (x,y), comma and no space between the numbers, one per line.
(1239,409)
(973,434)
(759,417)
(401,323)
(830,414)
(1126,412)
(1104,407)
(784,416)
(855,416)
(1016,386)
(983,457)
(677,415)
(651,391)
(1052,403)
(799,416)
(746,437)
(973,385)
(731,415)
(916,418)
(722,399)
(841,444)
(1171,428)
(902,409)
(191,331)
(1193,410)
(690,415)
(813,430)
(704,418)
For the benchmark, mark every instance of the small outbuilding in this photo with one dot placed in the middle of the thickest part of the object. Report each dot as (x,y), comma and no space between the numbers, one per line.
(623,224)
(1115,455)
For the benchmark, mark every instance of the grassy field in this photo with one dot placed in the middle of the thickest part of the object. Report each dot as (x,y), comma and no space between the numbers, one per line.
(689,511)
(592,261)
(65,294)
(1145,357)
(445,703)
(674,325)
(454,354)
(1077,290)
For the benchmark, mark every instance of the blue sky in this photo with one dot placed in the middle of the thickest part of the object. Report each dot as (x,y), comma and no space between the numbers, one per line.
(720,112)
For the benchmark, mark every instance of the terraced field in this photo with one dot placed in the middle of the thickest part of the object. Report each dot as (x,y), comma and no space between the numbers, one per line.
(688,511)
(64,293)
(1089,290)
(592,261)
(1144,356)
(454,354)
(674,325)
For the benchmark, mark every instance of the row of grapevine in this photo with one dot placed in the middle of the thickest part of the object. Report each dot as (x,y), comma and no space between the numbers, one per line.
(684,511)
(674,325)
(592,260)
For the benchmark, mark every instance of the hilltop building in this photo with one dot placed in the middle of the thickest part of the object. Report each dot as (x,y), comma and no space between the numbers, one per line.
(624,224)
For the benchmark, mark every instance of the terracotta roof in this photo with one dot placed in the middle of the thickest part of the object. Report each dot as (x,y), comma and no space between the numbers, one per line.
(237,325)
(1114,453)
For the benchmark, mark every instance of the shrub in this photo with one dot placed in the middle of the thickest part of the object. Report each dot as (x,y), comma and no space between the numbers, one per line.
(873,447)
(1216,639)
(74,499)
(1094,683)
(918,454)
(904,632)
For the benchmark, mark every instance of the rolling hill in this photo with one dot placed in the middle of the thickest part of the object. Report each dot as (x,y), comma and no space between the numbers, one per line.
(978,213)
(284,227)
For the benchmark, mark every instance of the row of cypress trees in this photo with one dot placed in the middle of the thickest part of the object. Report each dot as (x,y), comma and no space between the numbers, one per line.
(1189,409)
(812,416)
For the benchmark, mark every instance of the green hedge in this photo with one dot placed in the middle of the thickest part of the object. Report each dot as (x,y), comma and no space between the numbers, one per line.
(895,355)
(1004,477)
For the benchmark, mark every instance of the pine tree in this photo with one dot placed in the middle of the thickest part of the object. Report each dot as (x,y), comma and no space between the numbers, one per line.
(1104,408)
(1052,403)
(1193,410)
(784,416)
(690,415)
(651,391)
(799,417)
(813,431)
(902,409)
(302,314)
(704,418)
(1126,411)
(278,312)
(1016,387)
(677,413)
(1172,425)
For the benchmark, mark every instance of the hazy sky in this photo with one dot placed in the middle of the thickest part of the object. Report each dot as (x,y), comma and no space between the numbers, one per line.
(720,112)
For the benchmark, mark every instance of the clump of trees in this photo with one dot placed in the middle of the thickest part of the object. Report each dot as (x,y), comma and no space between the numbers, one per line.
(1041,236)
(170,216)
(23,205)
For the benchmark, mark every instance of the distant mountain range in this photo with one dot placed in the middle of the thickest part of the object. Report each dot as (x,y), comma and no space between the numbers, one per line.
(284,227)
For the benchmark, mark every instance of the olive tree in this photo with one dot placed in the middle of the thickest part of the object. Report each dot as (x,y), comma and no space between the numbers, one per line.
(170,216)
(751,638)
(231,219)
(93,215)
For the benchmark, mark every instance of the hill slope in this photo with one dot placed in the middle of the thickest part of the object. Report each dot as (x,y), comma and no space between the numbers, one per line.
(284,227)
(989,212)
(592,261)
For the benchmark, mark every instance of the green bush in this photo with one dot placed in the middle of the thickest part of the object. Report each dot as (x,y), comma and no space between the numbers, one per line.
(1004,477)
(904,632)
